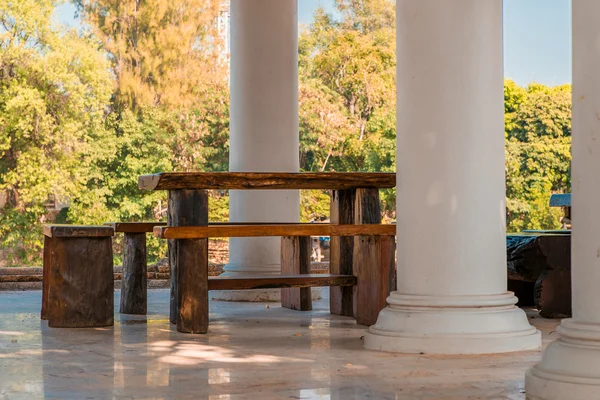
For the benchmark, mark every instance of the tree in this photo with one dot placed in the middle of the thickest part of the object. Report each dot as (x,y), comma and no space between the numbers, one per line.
(348,91)
(161,51)
(54,88)
(538,153)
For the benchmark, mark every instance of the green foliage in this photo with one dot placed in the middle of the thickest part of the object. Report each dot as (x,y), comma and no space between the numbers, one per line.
(314,205)
(538,153)
(82,115)
(347,90)
(54,87)
(161,51)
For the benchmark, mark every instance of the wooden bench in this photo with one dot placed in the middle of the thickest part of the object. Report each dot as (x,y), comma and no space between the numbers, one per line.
(78,286)
(354,201)
(134,276)
(374,247)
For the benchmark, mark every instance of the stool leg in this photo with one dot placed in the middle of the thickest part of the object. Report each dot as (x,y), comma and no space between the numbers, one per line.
(49,244)
(295,259)
(190,260)
(134,281)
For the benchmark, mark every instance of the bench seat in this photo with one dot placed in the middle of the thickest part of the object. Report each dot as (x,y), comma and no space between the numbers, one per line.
(279,281)
(264,230)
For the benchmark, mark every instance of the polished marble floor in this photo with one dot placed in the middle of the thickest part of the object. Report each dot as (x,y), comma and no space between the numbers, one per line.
(253,351)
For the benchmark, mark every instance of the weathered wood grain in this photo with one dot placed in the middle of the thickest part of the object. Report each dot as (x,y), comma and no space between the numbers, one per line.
(295,260)
(552,294)
(133,281)
(279,282)
(373,264)
(266,180)
(77,231)
(25,278)
(192,285)
(147,227)
(134,227)
(49,248)
(171,219)
(341,250)
(189,260)
(373,261)
(200,232)
(80,283)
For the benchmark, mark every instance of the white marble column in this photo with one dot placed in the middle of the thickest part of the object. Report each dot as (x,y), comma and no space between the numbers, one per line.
(264,130)
(451,296)
(570,366)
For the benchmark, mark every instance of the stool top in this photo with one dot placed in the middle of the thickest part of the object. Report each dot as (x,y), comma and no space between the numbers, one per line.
(78,231)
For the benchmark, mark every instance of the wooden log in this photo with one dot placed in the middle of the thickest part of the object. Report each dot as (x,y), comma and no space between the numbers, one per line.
(190,258)
(80,283)
(341,250)
(552,294)
(266,180)
(201,232)
(133,281)
(373,261)
(279,281)
(530,254)
(295,259)
(523,290)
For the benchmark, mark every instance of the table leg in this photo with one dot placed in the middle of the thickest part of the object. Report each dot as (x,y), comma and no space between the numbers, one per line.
(189,260)
(373,262)
(341,251)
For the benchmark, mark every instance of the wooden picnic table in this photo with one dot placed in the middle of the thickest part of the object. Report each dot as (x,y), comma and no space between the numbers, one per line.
(365,251)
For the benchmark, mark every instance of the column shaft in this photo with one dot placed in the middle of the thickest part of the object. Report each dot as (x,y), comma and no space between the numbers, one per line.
(570,366)
(451,295)
(264,128)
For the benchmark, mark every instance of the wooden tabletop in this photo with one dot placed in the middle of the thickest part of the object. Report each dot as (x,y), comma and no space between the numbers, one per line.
(267,180)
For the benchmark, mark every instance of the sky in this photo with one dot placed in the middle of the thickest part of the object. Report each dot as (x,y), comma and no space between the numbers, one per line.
(537,37)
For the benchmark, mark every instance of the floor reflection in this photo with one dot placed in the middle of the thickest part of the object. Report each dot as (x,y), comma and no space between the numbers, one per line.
(250,352)
(74,366)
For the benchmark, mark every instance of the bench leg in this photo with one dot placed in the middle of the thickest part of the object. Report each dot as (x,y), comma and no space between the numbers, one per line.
(190,261)
(341,249)
(295,259)
(133,283)
(375,271)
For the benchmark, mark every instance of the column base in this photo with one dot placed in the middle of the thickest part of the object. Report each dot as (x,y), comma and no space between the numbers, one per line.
(452,325)
(570,367)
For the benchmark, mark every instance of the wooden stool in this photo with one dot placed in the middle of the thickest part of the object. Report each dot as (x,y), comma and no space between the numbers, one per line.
(78,281)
